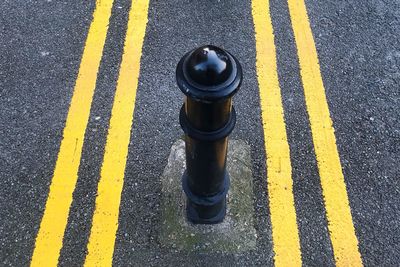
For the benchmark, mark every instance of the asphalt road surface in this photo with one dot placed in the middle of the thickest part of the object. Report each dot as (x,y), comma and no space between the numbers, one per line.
(89,111)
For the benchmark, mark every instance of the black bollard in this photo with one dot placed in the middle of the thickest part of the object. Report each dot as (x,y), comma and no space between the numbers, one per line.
(209,77)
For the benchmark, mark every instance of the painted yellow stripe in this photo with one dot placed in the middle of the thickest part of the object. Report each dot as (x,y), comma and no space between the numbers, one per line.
(51,232)
(340,224)
(105,220)
(283,215)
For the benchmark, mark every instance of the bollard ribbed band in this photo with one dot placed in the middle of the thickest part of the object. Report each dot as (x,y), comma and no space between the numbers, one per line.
(207,136)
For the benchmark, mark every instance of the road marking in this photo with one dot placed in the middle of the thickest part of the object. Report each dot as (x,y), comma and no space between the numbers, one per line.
(105,218)
(55,217)
(340,224)
(279,171)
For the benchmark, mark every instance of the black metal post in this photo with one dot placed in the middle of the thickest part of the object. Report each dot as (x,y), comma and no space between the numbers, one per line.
(209,77)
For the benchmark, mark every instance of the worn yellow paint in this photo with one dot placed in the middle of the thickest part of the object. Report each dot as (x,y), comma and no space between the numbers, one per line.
(51,232)
(340,224)
(285,234)
(105,219)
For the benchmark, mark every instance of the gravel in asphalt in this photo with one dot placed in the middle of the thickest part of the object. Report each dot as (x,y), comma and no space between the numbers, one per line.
(41,43)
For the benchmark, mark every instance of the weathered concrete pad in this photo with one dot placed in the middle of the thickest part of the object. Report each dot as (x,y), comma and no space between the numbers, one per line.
(236,233)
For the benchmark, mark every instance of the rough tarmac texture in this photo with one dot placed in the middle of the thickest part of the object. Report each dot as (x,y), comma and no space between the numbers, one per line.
(41,42)
(358,45)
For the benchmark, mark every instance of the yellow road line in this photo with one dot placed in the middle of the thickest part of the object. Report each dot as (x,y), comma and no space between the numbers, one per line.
(105,219)
(340,224)
(279,171)
(52,227)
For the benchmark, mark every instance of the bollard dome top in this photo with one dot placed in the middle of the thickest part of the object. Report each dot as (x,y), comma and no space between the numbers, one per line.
(209,66)
(209,73)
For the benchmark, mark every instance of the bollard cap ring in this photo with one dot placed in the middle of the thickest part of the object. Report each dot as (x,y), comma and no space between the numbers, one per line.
(209,73)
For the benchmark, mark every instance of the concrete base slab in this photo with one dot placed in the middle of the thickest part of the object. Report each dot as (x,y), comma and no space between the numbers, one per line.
(236,233)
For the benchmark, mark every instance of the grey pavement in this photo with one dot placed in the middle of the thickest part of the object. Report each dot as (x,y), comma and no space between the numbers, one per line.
(41,43)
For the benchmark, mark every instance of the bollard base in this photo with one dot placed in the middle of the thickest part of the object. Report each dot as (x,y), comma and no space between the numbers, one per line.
(205,210)
(199,214)
(235,234)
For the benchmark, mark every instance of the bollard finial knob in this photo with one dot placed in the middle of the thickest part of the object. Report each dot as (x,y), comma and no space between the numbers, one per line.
(209,73)
(209,66)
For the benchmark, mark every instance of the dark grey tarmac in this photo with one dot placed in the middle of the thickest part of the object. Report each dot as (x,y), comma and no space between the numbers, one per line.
(41,43)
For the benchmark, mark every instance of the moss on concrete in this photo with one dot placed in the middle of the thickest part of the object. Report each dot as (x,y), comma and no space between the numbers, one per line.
(236,233)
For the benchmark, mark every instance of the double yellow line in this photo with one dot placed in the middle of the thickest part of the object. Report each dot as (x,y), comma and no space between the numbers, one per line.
(105,221)
(283,216)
